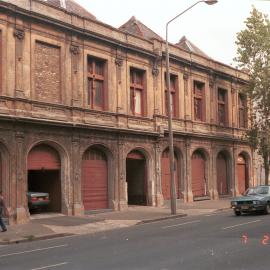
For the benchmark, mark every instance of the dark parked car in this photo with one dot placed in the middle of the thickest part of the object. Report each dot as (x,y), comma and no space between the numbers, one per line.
(253,200)
(38,200)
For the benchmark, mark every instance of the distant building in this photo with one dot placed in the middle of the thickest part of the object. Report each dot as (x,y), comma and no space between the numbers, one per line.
(83,115)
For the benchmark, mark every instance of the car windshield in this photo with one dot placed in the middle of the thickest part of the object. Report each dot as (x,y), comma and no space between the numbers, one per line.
(257,190)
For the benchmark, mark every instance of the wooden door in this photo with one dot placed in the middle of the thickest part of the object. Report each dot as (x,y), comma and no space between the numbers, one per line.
(198,175)
(166,176)
(43,157)
(94,180)
(242,174)
(222,178)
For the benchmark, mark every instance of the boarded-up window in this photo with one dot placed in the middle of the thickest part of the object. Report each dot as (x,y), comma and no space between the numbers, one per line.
(47,73)
(96,83)
(137,92)
(199,101)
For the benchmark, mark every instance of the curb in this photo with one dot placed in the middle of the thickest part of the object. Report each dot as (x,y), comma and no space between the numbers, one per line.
(161,218)
(33,238)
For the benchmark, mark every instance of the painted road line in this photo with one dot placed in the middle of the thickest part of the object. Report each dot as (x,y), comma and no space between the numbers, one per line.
(33,250)
(241,224)
(181,224)
(50,266)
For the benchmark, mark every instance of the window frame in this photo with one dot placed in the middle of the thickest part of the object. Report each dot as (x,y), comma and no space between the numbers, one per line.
(199,97)
(224,104)
(242,109)
(137,85)
(92,77)
(174,94)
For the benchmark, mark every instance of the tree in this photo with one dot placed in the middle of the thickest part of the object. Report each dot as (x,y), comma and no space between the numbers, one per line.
(253,54)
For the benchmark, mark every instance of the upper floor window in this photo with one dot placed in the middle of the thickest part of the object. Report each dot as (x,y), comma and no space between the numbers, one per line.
(96,83)
(173,93)
(222,107)
(199,101)
(137,91)
(242,111)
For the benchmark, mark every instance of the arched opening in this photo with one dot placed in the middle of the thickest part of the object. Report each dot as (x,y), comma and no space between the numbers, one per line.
(199,180)
(242,173)
(94,179)
(44,176)
(222,174)
(166,175)
(136,178)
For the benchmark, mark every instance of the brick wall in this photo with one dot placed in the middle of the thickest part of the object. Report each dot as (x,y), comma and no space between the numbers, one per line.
(47,73)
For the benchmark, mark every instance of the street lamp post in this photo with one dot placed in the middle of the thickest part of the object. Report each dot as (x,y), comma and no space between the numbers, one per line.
(169,108)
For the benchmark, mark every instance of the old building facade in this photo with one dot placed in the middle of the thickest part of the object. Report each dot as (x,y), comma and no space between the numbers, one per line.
(83,115)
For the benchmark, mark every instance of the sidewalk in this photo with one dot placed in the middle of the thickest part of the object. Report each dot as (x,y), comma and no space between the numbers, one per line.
(44,226)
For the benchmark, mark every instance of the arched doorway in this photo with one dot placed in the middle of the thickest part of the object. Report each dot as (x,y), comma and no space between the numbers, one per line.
(242,173)
(199,181)
(136,178)
(222,174)
(94,179)
(166,175)
(44,174)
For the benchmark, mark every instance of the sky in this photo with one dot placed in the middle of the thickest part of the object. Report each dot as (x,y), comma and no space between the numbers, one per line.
(211,28)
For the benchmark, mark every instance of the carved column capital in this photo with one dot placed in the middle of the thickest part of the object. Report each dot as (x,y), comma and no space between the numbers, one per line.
(119,61)
(156,63)
(74,49)
(155,71)
(186,76)
(19,135)
(19,33)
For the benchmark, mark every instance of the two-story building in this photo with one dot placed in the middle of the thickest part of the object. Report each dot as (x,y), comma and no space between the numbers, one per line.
(83,114)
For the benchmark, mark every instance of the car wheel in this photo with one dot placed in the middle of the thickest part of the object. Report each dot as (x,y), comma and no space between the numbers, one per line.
(237,213)
(267,209)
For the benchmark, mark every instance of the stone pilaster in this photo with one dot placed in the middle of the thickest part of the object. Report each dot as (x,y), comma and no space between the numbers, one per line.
(188,195)
(234,104)
(155,73)
(78,208)
(123,195)
(159,196)
(19,35)
(119,61)
(213,100)
(75,53)
(187,97)
(21,186)
(213,178)
(234,186)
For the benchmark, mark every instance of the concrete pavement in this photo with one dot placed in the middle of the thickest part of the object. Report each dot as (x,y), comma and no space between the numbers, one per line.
(44,226)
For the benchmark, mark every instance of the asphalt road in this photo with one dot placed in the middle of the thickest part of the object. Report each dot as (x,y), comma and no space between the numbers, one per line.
(217,241)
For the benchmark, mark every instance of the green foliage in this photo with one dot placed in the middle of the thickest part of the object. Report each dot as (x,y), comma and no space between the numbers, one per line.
(253,55)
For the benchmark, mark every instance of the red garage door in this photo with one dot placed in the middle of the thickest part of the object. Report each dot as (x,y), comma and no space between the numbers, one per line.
(166,176)
(222,184)
(242,174)
(94,180)
(43,157)
(198,175)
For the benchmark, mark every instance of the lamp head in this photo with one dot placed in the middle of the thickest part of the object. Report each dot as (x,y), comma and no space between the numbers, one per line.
(210,2)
